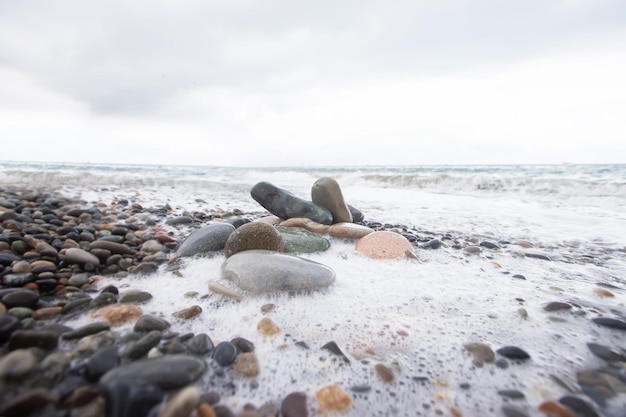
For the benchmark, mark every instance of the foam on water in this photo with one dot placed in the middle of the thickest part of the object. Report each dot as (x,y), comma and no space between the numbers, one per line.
(413,317)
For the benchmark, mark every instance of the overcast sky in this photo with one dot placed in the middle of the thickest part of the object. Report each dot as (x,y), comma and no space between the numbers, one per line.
(276,82)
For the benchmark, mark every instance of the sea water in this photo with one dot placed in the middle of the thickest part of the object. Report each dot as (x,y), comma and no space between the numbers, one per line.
(412,316)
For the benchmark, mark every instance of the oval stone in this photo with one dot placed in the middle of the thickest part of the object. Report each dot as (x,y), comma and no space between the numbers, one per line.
(166,372)
(81,257)
(261,271)
(255,235)
(209,238)
(299,240)
(286,205)
(326,193)
(384,245)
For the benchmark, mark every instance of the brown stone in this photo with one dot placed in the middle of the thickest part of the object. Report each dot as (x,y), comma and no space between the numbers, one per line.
(333,399)
(188,313)
(205,410)
(481,352)
(384,245)
(247,364)
(255,235)
(384,373)
(326,193)
(46,313)
(267,327)
(118,314)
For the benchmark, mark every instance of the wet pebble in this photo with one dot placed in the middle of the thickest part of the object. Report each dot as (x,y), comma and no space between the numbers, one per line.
(610,322)
(16,364)
(147,323)
(294,405)
(200,344)
(247,364)
(188,313)
(513,352)
(384,373)
(225,353)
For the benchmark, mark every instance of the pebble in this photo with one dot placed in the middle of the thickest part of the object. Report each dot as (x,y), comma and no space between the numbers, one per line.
(188,313)
(79,256)
(384,245)
(218,288)
(16,364)
(20,298)
(225,353)
(142,346)
(148,322)
(247,364)
(166,372)
(332,399)
(134,296)
(555,409)
(101,362)
(513,352)
(384,373)
(349,230)
(606,353)
(326,193)
(22,339)
(294,405)
(610,322)
(118,314)
(261,271)
(299,240)
(267,327)
(557,306)
(200,344)
(182,404)
(481,353)
(255,235)
(208,239)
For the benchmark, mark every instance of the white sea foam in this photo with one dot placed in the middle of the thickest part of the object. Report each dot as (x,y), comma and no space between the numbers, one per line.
(413,317)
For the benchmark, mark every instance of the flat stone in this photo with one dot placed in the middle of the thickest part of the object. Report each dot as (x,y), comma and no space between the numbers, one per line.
(114,247)
(349,230)
(20,298)
(207,239)
(118,314)
(333,399)
(166,372)
(261,271)
(384,245)
(306,224)
(81,257)
(299,240)
(255,235)
(287,205)
(326,193)
(247,364)
(149,322)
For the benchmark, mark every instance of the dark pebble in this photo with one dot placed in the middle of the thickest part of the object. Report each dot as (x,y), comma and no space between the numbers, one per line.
(361,389)
(179,220)
(580,407)
(23,339)
(513,411)
(101,362)
(431,244)
(513,394)
(28,402)
(8,325)
(147,323)
(7,258)
(142,346)
(606,353)
(538,256)
(21,298)
(244,345)
(334,348)
(513,352)
(294,405)
(225,353)
(489,245)
(557,306)
(166,372)
(86,330)
(519,276)
(126,399)
(200,344)
(610,322)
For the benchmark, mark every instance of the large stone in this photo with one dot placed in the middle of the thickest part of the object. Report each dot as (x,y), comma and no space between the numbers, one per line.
(299,240)
(166,372)
(287,205)
(384,245)
(255,235)
(261,271)
(326,193)
(209,238)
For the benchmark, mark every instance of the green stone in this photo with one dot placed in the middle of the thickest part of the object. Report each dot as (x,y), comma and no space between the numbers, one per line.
(19,247)
(299,240)
(20,313)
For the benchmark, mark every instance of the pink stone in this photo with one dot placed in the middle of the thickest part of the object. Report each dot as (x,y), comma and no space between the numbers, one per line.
(384,245)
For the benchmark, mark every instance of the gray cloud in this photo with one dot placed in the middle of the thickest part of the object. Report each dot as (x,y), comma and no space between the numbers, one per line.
(130,57)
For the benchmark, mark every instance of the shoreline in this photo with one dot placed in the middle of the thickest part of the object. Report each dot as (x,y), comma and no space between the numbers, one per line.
(132,216)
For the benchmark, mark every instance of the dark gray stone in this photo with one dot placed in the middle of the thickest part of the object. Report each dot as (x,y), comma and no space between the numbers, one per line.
(287,205)
(210,238)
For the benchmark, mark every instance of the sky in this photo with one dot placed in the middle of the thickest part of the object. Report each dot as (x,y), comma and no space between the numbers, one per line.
(277,82)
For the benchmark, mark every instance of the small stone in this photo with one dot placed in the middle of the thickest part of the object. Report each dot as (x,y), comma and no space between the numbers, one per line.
(255,235)
(513,352)
(118,314)
(244,345)
(182,404)
(555,409)
(247,364)
(134,296)
(206,410)
(266,308)
(225,353)
(16,364)
(384,245)
(472,249)
(142,346)
(557,306)
(580,406)
(148,322)
(294,405)
(95,342)
(610,322)
(513,411)
(333,398)
(598,291)
(21,339)
(267,327)
(86,330)
(81,257)
(200,344)
(481,352)
(218,288)
(349,230)
(384,373)
(188,313)
(306,224)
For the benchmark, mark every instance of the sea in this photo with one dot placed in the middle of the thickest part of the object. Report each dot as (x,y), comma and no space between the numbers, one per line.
(415,317)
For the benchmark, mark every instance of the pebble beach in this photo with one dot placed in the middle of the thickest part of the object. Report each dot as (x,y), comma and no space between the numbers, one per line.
(104,313)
